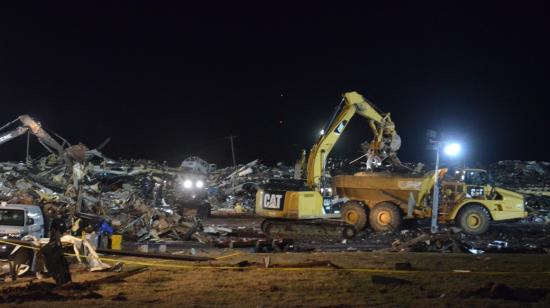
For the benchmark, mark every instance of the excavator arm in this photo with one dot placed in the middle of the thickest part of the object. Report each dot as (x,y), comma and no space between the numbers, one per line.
(384,144)
(12,134)
(29,124)
(44,138)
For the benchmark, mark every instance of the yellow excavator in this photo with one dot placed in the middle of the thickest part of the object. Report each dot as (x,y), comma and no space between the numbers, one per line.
(293,211)
(379,199)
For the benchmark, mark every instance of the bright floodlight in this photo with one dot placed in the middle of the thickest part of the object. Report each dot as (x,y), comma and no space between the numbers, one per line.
(452,149)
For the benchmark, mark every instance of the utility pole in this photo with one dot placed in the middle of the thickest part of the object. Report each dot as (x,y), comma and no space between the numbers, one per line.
(27,157)
(234,161)
(435,205)
(232,149)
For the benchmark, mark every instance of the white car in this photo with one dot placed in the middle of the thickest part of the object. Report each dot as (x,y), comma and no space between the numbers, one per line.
(18,220)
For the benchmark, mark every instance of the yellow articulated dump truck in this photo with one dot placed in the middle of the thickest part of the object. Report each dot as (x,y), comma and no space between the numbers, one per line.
(382,199)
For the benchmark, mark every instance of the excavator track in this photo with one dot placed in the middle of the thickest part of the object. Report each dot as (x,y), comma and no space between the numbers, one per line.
(314,229)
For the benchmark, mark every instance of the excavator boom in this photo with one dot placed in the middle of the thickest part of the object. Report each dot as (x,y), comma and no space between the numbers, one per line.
(384,145)
(12,134)
(32,126)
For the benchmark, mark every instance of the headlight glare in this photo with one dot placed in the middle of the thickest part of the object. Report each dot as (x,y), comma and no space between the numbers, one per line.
(187,184)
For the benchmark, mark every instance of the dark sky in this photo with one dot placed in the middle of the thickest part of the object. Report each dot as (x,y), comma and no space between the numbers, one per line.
(166,80)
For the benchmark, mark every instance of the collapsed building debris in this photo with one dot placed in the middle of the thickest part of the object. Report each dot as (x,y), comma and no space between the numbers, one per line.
(522,175)
(142,199)
(530,178)
(47,256)
(233,189)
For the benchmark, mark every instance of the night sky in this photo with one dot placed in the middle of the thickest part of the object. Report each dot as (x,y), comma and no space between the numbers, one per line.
(170,80)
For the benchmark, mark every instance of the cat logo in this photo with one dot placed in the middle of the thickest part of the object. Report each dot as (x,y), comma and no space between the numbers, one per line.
(273,201)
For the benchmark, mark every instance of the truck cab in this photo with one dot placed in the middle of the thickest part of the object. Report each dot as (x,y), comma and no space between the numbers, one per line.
(19,220)
(472,200)
(476,182)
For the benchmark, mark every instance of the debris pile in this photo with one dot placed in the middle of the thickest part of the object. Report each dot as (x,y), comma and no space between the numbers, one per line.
(530,178)
(233,189)
(523,175)
(133,196)
(503,237)
(137,198)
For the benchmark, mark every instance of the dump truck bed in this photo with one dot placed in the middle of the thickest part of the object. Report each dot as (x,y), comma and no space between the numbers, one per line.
(374,187)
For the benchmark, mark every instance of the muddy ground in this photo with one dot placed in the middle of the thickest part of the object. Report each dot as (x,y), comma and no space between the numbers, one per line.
(342,273)
(303,279)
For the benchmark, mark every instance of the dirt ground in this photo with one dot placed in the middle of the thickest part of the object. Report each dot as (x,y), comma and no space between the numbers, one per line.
(294,279)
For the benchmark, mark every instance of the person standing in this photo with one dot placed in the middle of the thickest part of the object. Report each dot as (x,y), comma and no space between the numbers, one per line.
(55,261)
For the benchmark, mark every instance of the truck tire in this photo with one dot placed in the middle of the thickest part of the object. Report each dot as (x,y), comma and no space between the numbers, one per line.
(354,213)
(385,216)
(473,219)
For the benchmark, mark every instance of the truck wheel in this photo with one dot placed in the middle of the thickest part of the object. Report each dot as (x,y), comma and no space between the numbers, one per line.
(354,213)
(473,219)
(385,216)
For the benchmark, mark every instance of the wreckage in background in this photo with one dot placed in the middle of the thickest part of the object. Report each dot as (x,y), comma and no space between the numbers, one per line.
(530,178)
(140,198)
(233,189)
(132,194)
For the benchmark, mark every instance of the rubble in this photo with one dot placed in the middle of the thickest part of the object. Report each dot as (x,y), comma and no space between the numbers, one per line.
(136,197)
(522,174)
(233,189)
(530,178)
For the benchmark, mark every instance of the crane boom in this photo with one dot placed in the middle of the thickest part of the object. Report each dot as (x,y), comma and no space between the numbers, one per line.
(384,145)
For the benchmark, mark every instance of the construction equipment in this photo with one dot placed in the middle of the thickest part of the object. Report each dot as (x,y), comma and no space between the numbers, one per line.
(34,127)
(191,185)
(305,209)
(383,199)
